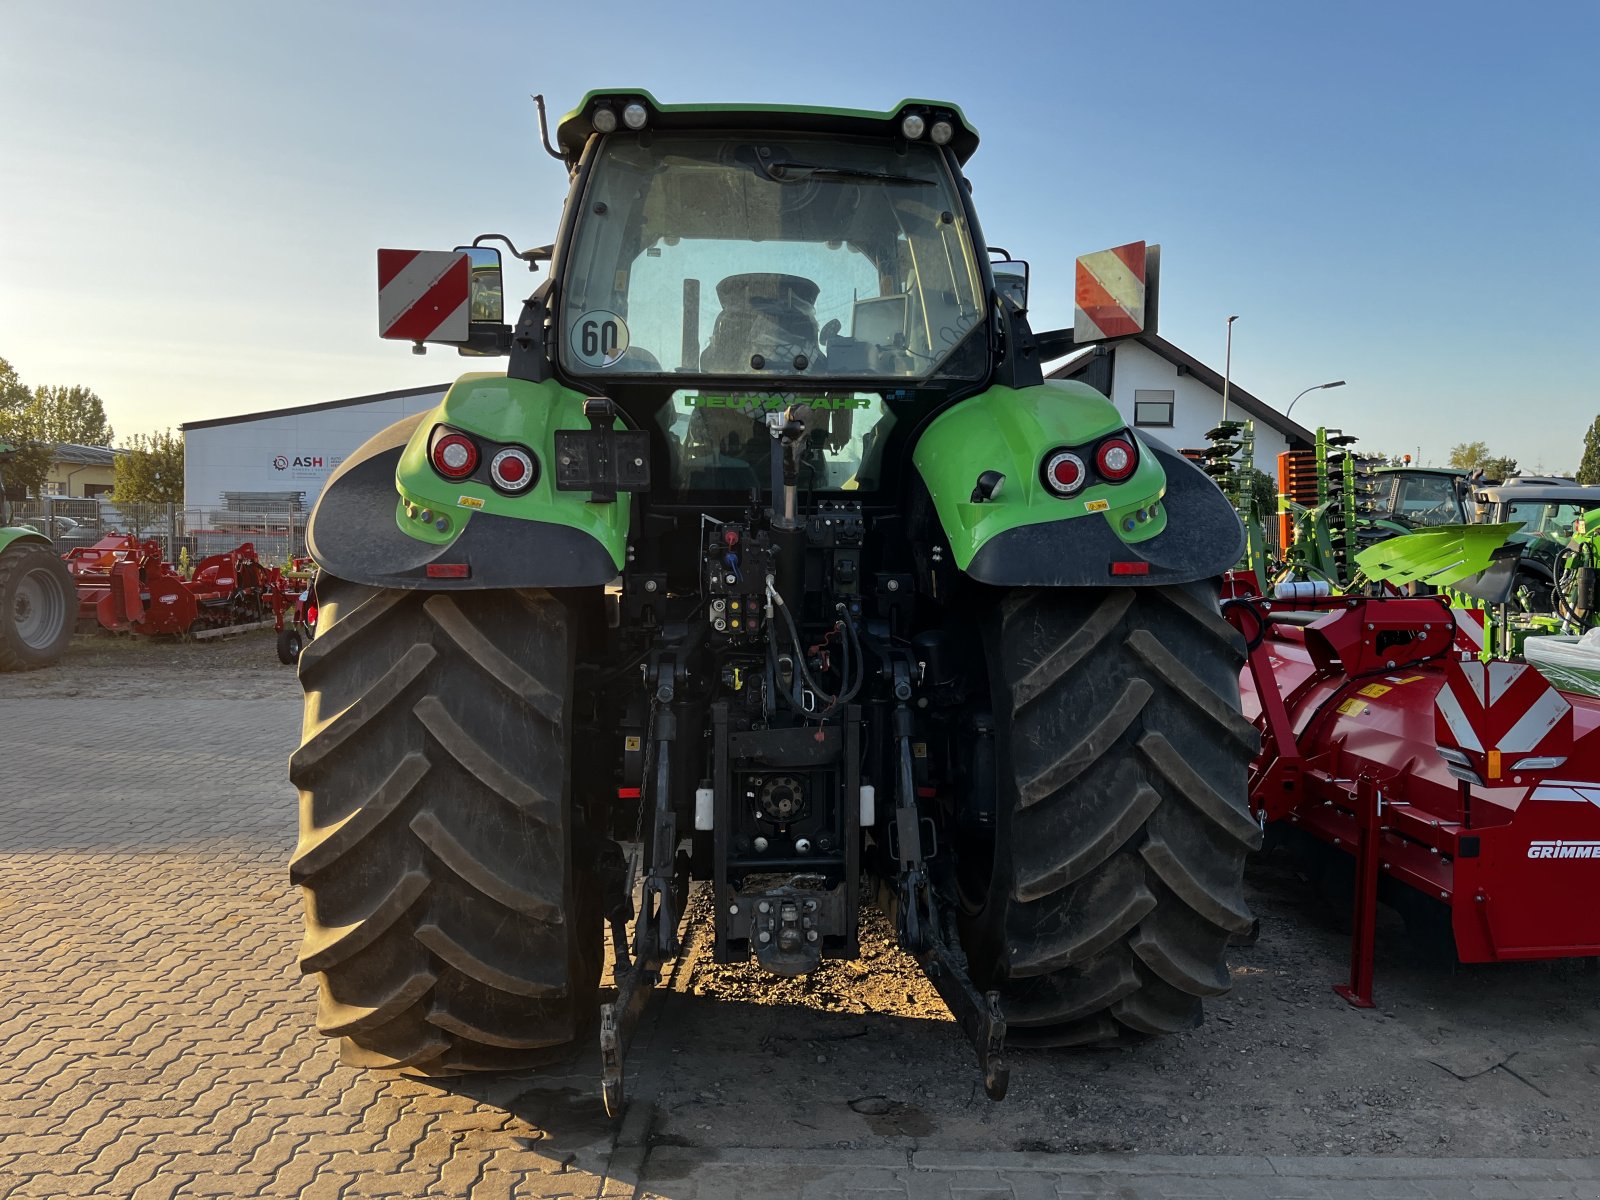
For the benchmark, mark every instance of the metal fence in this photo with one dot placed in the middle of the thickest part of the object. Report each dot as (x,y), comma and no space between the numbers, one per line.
(278,530)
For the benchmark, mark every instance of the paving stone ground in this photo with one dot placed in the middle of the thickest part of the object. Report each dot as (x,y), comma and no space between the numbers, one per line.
(155,1034)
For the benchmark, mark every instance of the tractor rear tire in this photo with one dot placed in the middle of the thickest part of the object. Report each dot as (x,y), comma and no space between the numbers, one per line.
(38,607)
(445,917)
(1122,825)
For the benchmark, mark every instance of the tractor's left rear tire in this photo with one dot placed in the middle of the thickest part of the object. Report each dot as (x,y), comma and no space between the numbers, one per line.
(451,916)
(38,607)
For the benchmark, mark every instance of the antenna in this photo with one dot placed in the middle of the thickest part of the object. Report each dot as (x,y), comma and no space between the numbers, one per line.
(544,129)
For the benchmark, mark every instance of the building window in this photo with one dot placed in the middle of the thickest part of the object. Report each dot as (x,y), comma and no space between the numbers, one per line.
(1153,408)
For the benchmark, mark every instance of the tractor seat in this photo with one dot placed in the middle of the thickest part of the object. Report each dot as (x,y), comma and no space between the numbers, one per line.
(767,316)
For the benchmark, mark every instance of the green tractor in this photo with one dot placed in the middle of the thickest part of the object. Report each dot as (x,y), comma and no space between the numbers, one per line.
(38,599)
(769,562)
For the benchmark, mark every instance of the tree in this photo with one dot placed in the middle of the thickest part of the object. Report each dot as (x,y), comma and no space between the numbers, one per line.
(151,470)
(1589,468)
(1474,456)
(1499,469)
(28,465)
(1469,456)
(70,414)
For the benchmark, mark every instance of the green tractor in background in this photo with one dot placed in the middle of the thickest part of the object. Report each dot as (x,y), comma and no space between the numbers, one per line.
(1333,504)
(38,599)
(768,562)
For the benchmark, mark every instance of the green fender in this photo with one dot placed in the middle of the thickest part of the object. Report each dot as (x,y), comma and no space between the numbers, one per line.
(1166,523)
(14,536)
(387,519)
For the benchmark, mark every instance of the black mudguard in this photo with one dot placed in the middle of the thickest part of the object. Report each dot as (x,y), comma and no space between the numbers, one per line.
(1203,538)
(353,535)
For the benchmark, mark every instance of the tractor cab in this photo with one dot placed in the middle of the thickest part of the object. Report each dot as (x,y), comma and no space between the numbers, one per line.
(711,278)
(1419,497)
(1548,508)
(1550,511)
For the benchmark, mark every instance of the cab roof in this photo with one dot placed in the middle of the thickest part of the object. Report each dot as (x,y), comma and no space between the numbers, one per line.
(577,126)
(1518,489)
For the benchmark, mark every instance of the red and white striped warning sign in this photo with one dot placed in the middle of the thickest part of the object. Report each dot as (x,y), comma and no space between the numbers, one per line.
(1110,294)
(422,295)
(1502,717)
(1471,629)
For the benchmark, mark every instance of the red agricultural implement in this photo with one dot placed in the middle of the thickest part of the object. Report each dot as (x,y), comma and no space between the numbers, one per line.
(124,584)
(1454,788)
(296,624)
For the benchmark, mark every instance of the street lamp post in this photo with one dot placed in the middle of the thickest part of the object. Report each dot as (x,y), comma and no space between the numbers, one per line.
(1314,388)
(1227,367)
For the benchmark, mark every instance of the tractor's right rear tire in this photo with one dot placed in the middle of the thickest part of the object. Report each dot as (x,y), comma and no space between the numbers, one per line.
(445,917)
(1116,878)
(38,606)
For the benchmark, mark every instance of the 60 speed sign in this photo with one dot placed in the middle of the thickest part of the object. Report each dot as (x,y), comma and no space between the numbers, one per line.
(599,338)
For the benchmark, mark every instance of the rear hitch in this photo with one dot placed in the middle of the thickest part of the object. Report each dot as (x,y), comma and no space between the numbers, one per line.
(921,929)
(666,888)
(978,1014)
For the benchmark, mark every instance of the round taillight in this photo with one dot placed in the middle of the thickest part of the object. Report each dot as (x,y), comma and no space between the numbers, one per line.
(311,616)
(512,469)
(455,456)
(1064,473)
(1116,458)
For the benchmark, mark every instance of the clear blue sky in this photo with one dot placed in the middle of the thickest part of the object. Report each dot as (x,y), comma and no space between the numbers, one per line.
(1406,196)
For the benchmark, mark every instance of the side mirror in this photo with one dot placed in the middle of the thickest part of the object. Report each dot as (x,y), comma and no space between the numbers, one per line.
(486,294)
(486,302)
(1011,281)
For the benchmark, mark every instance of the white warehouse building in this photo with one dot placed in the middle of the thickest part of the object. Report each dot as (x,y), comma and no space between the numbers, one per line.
(282,458)
(1175,397)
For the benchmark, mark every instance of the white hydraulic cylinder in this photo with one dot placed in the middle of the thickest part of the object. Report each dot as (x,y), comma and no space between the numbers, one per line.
(1302,589)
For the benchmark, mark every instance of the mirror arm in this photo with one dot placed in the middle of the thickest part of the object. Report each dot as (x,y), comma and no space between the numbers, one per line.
(533,257)
(1019,363)
(1054,343)
(528,357)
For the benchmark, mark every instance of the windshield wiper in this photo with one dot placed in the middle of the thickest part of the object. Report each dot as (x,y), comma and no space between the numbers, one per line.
(793,172)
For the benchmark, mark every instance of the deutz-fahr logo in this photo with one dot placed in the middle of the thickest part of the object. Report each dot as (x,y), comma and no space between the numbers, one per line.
(775,403)
(1563,849)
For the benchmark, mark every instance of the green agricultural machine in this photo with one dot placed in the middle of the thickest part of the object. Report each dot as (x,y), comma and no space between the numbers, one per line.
(38,600)
(769,562)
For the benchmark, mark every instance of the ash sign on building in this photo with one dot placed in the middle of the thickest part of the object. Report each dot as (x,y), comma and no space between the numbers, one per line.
(291,451)
(306,466)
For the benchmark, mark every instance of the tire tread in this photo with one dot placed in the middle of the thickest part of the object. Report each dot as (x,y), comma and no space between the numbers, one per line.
(436,834)
(1119,879)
